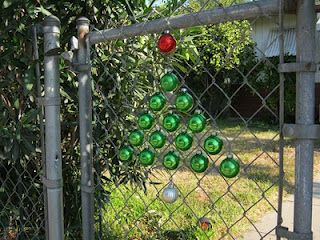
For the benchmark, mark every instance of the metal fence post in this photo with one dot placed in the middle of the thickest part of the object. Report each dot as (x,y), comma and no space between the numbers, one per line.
(305,106)
(53,177)
(85,120)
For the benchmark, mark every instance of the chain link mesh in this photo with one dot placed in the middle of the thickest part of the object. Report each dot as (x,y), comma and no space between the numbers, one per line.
(21,190)
(230,87)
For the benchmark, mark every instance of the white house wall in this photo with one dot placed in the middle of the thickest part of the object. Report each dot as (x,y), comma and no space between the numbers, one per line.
(265,31)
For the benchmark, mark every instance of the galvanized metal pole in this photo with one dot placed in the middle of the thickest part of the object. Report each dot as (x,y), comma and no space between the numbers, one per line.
(305,106)
(213,16)
(53,177)
(281,117)
(85,120)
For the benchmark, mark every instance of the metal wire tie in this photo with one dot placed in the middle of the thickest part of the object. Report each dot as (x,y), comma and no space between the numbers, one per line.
(284,232)
(48,101)
(87,189)
(52,184)
(297,67)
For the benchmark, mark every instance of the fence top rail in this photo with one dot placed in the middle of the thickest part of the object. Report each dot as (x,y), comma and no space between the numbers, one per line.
(213,16)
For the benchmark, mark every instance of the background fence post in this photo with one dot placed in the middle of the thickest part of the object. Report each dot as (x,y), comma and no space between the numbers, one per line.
(305,106)
(85,120)
(53,176)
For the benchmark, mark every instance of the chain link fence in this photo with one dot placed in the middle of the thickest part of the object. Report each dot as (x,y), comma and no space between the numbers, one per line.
(21,190)
(181,140)
(236,92)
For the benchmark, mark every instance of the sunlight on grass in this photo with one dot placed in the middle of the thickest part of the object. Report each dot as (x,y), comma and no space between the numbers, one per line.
(133,214)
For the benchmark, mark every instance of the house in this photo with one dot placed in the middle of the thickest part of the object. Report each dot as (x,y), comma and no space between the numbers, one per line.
(265,32)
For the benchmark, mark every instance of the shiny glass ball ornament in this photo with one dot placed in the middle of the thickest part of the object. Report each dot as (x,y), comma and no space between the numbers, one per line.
(229,167)
(126,153)
(136,137)
(171,122)
(146,157)
(183,141)
(199,163)
(157,139)
(197,123)
(157,102)
(167,43)
(145,121)
(213,144)
(170,194)
(169,82)
(171,160)
(184,102)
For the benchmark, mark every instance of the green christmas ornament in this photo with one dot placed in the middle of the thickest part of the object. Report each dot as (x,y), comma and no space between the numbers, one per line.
(229,167)
(171,160)
(126,153)
(171,122)
(157,102)
(136,137)
(213,144)
(183,141)
(157,139)
(184,102)
(197,123)
(146,157)
(199,163)
(145,121)
(169,82)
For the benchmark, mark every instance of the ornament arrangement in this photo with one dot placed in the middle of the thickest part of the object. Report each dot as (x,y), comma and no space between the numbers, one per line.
(149,138)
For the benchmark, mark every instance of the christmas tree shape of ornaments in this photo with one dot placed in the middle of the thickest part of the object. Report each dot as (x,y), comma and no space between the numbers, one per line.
(146,142)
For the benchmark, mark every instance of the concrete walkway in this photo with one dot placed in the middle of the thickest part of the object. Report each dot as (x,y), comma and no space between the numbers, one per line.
(269,220)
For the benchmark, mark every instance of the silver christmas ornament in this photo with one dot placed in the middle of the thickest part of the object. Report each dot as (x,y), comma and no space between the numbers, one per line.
(170,194)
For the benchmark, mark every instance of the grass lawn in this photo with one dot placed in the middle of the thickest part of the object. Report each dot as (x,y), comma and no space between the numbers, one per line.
(232,205)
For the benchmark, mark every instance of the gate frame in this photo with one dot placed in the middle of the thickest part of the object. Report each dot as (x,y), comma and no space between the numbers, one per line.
(304,100)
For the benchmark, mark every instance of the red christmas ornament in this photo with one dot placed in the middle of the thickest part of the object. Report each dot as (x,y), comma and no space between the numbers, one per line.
(167,43)
(204,223)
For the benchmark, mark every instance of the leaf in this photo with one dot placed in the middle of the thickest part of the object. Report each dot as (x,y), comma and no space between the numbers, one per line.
(44,11)
(7,3)
(30,116)
(16,103)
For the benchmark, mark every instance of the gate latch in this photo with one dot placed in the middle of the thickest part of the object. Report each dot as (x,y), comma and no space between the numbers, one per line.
(285,233)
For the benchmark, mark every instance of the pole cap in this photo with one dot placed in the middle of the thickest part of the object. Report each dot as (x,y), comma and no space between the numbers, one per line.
(83,21)
(52,21)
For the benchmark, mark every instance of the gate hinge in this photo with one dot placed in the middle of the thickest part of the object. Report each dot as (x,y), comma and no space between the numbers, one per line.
(285,233)
(81,67)
(52,184)
(297,67)
(300,131)
(70,57)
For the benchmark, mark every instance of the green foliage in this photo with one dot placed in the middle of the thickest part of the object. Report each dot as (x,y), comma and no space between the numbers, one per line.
(19,132)
(266,79)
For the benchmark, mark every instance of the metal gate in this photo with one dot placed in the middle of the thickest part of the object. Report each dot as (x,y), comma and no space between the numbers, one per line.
(127,72)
